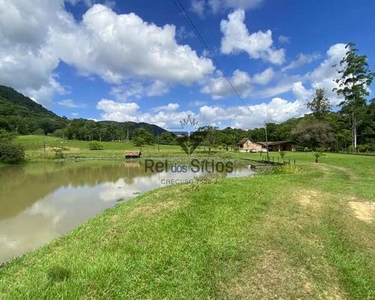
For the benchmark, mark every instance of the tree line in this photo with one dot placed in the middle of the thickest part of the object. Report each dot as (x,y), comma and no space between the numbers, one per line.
(349,127)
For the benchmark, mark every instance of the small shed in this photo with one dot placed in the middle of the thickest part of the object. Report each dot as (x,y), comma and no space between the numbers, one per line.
(132,154)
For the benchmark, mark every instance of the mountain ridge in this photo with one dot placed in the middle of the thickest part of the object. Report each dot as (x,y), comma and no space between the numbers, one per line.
(17,109)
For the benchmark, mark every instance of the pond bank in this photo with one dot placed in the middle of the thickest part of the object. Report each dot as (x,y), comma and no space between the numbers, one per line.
(42,201)
(171,159)
(282,235)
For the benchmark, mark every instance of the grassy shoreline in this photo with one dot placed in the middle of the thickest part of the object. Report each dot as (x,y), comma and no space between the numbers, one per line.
(285,235)
(40,149)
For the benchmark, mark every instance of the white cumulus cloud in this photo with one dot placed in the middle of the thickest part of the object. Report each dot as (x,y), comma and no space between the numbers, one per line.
(301,92)
(250,116)
(284,39)
(220,88)
(36,35)
(324,75)
(198,7)
(166,116)
(69,103)
(301,60)
(277,110)
(217,6)
(89,3)
(118,46)
(116,111)
(134,90)
(169,107)
(258,45)
(265,77)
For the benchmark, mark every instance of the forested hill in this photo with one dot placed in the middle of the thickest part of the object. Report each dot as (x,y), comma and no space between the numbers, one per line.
(154,129)
(13,103)
(22,115)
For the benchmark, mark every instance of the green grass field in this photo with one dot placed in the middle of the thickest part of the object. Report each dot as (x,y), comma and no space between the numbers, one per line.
(34,146)
(308,234)
(35,150)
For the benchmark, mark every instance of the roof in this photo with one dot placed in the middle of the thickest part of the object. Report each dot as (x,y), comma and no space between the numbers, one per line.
(275,143)
(243,141)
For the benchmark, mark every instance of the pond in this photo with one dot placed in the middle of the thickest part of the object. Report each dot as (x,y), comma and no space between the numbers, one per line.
(40,202)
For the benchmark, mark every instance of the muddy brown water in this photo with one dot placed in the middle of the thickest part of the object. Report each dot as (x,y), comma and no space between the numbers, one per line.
(40,202)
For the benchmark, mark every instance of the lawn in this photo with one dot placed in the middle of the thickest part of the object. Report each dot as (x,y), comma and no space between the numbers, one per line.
(35,150)
(304,235)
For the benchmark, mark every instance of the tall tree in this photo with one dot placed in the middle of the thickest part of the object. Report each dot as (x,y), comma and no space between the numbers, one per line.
(166,138)
(141,134)
(127,127)
(355,79)
(210,137)
(320,105)
(314,134)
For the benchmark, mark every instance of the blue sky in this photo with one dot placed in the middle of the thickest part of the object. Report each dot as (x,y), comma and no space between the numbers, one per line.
(139,60)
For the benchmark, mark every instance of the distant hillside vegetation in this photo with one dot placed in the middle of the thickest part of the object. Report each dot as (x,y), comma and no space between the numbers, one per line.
(331,131)
(13,103)
(154,129)
(22,115)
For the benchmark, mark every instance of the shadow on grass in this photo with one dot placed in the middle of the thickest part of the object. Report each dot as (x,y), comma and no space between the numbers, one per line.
(58,274)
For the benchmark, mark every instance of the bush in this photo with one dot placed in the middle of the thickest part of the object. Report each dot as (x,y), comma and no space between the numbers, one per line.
(58,133)
(96,146)
(11,152)
(364,148)
(300,148)
(6,136)
(282,154)
(322,149)
(58,153)
(139,141)
(39,132)
(280,170)
(317,155)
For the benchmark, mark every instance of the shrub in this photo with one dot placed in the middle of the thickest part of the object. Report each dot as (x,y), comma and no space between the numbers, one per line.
(280,170)
(96,146)
(58,133)
(58,153)
(11,152)
(39,132)
(282,155)
(300,148)
(318,155)
(139,141)
(6,136)
(364,148)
